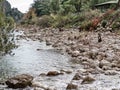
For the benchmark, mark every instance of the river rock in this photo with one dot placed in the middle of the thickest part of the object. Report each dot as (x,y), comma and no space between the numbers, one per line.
(100,57)
(71,86)
(75,53)
(92,54)
(68,71)
(38,49)
(48,43)
(111,72)
(39,86)
(42,74)
(77,77)
(53,73)
(104,63)
(19,81)
(88,80)
(106,68)
(2,83)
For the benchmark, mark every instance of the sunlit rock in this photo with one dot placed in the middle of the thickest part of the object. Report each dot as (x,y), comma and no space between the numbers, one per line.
(88,80)
(19,81)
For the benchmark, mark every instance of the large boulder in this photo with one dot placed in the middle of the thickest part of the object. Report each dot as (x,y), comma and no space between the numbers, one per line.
(19,81)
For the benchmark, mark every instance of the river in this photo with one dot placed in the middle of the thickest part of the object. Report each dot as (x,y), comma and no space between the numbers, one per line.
(32,56)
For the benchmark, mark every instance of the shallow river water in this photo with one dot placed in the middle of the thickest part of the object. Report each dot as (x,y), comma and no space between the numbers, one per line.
(34,57)
(28,59)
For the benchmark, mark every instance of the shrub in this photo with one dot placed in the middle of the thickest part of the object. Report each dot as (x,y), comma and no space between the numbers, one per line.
(86,25)
(6,35)
(61,21)
(104,23)
(116,25)
(45,21)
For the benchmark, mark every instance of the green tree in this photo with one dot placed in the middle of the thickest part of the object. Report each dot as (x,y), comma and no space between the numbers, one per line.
(42,7)
(6,28)
(55,6)
(77,4)
(66,7)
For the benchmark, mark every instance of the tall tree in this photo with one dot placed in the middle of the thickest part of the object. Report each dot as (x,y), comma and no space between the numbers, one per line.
(42,7)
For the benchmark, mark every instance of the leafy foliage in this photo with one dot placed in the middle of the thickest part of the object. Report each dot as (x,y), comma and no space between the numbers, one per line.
(55,6)
(45,21)
(67,13)
(41,7)
(6,29)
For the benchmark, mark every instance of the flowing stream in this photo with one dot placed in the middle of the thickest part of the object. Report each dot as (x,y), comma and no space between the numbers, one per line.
(27,59)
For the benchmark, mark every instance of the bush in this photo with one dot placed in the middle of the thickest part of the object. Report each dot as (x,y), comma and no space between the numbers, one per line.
(104,23)
(86,25)
(84,18)
(116,25)
(28,21)
(61,21)
(45,21)
(6,35)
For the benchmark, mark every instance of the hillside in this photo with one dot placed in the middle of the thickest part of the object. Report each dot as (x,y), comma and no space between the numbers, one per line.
(13,12)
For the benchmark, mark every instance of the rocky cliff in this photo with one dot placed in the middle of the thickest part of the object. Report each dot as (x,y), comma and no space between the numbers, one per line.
(13,12)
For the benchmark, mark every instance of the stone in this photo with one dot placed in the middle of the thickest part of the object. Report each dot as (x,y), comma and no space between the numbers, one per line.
(110,72)
(42,74)
(53,73)
(81,50)
(104,63)
(39,85)
(77,77)
(19,81)
(2,83)
(48,43)
(102,53)
(66,71)
(75,53)
(93,53)
(100,57)
(88,80)
(71,86)
(106,68)
(38,49)
(86,64)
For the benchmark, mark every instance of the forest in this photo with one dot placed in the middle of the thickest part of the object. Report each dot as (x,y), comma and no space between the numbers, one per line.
(60,45)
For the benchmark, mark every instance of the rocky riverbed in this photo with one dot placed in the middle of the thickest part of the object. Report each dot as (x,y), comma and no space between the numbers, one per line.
(98,60)
(93,65)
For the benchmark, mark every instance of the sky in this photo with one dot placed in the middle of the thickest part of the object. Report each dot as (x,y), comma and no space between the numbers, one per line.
(22,5)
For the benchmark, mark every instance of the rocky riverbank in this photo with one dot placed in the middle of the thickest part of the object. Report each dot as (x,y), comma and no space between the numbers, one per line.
(99,61)
(83,47)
